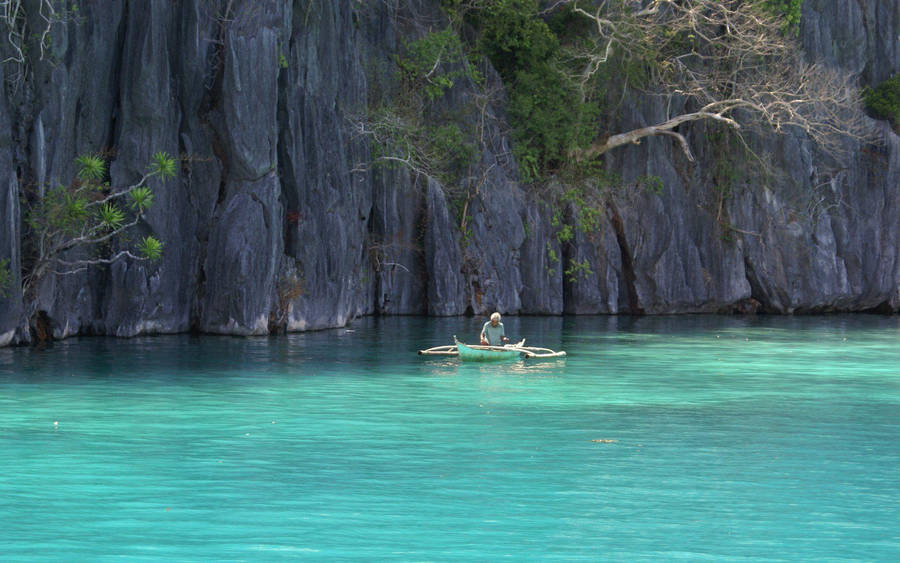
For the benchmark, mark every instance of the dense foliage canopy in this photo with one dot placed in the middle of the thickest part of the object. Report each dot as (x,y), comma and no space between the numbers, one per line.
(883,101)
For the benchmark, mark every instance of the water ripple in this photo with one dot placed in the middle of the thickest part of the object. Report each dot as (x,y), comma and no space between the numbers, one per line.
(717,438)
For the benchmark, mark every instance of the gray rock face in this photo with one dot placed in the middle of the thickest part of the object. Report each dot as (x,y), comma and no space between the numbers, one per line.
(278,220)
(11,312)
(68,108)
(860,37)
(329,206)
(242,261)
(140,297)
(807,236)
(492,255)
(245,246)
(542,287)
(826,242)
(825,239)
(396,242)
(443,257)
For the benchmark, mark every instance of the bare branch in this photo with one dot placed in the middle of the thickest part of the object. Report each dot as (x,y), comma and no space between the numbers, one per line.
(664,128)
(80,265)
(116,194)
(397,142)
(91,238)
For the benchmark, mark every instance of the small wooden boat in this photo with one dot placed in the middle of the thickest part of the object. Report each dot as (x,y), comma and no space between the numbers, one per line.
(478,353)
(473,353)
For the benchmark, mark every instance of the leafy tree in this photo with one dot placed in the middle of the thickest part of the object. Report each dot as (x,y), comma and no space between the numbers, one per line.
(550,119)
(434,62)
(513,37)
(88,214)
(883,101)
(789,10)
(549,116)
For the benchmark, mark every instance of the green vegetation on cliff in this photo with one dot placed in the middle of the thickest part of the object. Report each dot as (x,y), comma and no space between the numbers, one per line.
(790,10)
(550,116)
(883,101)
(88,214)
(567,65)
(567,68)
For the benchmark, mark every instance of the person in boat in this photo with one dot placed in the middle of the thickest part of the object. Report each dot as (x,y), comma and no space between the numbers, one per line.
(493,333)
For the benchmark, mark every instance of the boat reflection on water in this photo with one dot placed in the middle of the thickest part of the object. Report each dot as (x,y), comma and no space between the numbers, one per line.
(450,366)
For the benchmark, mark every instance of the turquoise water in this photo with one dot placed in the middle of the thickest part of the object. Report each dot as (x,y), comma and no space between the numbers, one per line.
(695,438)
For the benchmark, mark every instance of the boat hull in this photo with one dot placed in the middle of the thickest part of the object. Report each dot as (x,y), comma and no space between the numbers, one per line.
(486,353)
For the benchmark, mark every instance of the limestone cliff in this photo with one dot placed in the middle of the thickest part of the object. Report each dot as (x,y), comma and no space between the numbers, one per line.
(276,221)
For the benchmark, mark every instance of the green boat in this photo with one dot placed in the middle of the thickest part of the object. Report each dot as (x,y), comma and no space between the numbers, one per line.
(477,353)
(474,353)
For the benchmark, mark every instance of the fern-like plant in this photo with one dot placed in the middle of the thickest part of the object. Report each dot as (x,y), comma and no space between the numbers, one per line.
(162,165)
(91,167)
(150,248)
(141,198)
(110,216)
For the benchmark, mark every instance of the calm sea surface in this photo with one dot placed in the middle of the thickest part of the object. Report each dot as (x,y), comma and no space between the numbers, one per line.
(694,438)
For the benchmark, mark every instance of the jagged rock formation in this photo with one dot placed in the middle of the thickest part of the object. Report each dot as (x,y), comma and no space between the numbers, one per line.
(273,223)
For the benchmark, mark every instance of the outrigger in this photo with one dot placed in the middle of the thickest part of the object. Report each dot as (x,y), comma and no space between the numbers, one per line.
(478,353)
